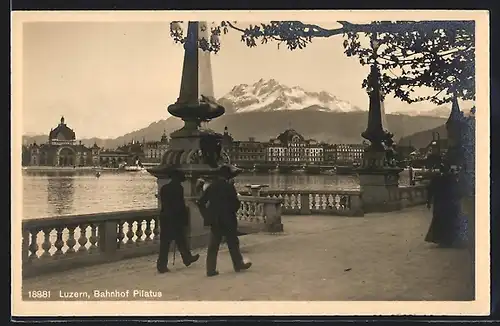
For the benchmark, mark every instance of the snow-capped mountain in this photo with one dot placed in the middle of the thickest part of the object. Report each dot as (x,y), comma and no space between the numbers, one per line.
(270,95)
(441,111)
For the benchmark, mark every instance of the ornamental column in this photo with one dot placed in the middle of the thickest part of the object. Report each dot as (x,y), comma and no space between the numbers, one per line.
(379,180)
(195,151)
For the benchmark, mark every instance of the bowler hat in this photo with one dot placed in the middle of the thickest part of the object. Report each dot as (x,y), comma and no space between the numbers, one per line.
(175,173)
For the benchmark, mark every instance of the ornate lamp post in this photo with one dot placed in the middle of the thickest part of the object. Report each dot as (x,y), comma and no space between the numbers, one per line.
(378,179)
(195,151)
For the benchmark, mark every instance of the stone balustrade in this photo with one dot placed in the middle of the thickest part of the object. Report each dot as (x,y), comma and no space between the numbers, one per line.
(328,202)
(413,195)
(334,202)
(260,214)
(66,242)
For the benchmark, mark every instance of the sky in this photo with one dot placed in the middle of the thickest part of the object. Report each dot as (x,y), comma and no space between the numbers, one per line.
(111,78)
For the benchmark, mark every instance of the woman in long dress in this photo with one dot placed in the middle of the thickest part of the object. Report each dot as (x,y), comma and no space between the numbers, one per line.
(444,198)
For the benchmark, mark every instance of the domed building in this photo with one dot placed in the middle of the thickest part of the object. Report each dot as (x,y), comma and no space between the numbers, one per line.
(63,150)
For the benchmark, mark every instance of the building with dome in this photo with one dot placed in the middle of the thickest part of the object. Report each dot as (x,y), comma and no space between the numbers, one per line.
(62,150)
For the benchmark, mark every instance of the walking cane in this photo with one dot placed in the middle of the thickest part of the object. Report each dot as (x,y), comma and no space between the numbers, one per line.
(175,247)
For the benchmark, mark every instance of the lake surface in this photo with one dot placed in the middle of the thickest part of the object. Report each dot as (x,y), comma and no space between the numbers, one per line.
(66,193)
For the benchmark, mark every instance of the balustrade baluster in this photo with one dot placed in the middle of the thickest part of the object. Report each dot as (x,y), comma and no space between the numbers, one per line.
(82,240)
(336,202)
(139,233)
(121,234)
(33,247)
(71,242)
(260,212)
(244,210)
(130,232)
(156,230)
(148,231)
(46,245)
(287,201)
(93,238)
(59,244)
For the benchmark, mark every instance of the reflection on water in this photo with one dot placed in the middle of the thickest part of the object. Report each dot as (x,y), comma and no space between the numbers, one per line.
(60,194)
(78,192)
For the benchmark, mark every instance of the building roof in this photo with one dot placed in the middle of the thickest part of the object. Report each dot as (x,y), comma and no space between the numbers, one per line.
(287,136)
(64,130)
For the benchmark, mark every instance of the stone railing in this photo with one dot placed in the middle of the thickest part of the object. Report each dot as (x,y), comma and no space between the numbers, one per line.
(333,202)
(328,202)
(66,242)
(260,214)
(413,195)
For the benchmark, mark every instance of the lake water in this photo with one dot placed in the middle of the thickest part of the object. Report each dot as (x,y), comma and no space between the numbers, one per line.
(66,193)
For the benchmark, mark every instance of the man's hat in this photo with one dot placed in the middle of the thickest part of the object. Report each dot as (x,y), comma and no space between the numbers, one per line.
(174,173)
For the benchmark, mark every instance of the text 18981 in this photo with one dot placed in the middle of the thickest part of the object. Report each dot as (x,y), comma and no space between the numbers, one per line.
(39,294)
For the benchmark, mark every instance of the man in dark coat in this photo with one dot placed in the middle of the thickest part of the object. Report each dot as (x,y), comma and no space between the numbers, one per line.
(219,204)
(442,195)
(174,220)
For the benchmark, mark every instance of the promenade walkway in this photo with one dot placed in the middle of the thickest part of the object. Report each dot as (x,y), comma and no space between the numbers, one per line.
(375,257)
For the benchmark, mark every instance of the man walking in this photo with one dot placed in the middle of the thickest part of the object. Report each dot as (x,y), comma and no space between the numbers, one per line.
(174,219)
(220,215)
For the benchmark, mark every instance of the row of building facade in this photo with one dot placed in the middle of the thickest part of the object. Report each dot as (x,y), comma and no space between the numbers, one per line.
(289,147)
(63,150)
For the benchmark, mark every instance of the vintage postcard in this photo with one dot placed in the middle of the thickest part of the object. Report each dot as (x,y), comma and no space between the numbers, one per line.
(250,163)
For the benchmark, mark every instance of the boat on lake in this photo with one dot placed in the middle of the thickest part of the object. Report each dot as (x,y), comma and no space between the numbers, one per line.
(137,167)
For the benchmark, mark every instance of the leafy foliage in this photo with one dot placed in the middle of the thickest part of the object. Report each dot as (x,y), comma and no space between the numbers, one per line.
(435,54)
(441,59)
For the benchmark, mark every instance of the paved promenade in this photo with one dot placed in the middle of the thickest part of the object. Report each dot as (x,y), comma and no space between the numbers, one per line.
(375,257)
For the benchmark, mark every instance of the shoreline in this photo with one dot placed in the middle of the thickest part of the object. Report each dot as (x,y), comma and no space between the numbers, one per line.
(57,168)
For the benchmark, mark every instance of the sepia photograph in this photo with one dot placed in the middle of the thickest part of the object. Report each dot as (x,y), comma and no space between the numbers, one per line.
(262,163)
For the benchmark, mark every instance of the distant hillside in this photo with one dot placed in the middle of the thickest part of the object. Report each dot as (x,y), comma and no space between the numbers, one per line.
(332,127)
(152,132)
(423,138)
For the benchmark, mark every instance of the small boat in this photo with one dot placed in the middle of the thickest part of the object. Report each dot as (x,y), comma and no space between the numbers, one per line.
(134,168)
(329,172)
(275,170)
(302,170)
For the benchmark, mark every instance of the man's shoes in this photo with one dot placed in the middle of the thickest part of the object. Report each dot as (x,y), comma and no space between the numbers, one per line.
(212,273)
(193,259)
(242,267)
(163,270)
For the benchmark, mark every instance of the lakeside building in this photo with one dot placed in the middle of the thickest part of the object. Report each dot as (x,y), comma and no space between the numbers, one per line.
(126,154)
(61,149)
(290,147)
(154,150)
(241,151)
(348,154)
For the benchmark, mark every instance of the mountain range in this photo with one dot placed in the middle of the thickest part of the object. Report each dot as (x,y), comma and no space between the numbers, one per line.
(266,108)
